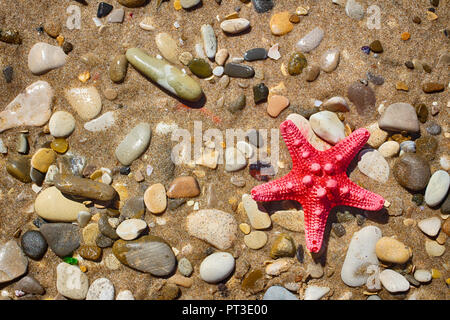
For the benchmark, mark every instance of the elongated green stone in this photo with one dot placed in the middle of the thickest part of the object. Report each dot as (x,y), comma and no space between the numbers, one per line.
(164,74)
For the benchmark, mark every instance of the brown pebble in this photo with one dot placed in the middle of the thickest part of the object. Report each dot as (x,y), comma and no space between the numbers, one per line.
(276,104)
(52,27)
(110,94)
(312,72)
(294,18)
(431,87)
(417,20)
(67,47)
(92,253)
(183,187)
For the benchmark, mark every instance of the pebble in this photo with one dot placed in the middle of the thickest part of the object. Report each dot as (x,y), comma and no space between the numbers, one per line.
(237,104)
(283,246)
(262,6)
(104,9)
(258,219)
(310,41)
(224,81)
(255,54)
(132,3)
(147,24)
(167,76)
(101,289)
(433,87)
(44,57)
(360,255)
(445,209)
(187,4)
(155,199)
(315,292)
(273,52)
(185,267)
(200,68)
(8,74)
(51,205)
(90,234)
(375,79)
(278,293)
(354,10)
(13,262)
(71,282)
(28,284)
(209,40)
(412,171)
(149,254)
(221,56)
(183,187)
(292,220)
(434,249)
(235,26)
(296,64)
(125,295)
(83,187)
(376,46)
(399,117)
(106,228)
(85,101)
(32,107)
(218,71)
(437,188)
(19,167)
(312,72)
(336,104)
(185,57)
(62,238)
(236,70)
(373,165)
(279,266)
(407,146)
(111,262)
(393,281)
(430,226)
(389,149)
(276,104)
(167,46)
(34,244)
(238,181)
(392,251)
(216,227)
(130,229)
(234,160)
(217,267)
(433,128)
(255,240)
(61,124)
(116,16)
(422,275)
(101,123)
(134,144)
(260,93)
(181,281)
(280,23)
(338,229)
(42,159)
(87,252)
(118,68)
(330,60)
(327,126)
(362,97)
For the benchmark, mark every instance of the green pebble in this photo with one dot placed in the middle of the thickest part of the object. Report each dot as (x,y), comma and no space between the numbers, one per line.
(296,64)
(417,199)
(283,246)
(200,68)
(19,167)
(260,93)
(70,260)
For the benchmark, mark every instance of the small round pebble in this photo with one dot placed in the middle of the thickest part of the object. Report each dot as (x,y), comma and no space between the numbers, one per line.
(61,124)
(216,267)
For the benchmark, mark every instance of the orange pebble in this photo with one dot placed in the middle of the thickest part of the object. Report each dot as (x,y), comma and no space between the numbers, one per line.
(83,269)
(406,35)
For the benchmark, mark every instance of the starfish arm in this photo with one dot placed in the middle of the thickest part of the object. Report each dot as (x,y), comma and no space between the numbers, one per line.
(361,198)
(299,147)
(346,149)
(316,215)
(285,188)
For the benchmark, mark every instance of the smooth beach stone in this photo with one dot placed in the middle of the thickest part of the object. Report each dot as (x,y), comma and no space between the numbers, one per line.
(85,101)
(217,267)
(412,171)
(167,46)
(185,267)
(283,246)
(354,10)
(407,146)
(389,149)
(312,72)
(255,54)
(62,238)
(360,255)
(29,108)
(297,63)
(260,93)
(432,87)
(51,205)
(28,284)
(116,16)
(277,104)
(426,146)
(292,220)
(132,3)
(200,68)
(103,241)
(221,56)
(101,123)
(83,187)
(183,187)
(134,144)
(330,60)
(130,229)
(392,251)
(236,70)
(118,68)
(336,104)
(13,263)
(430,226)
(238,103)
(19,167)
(377,136)
(433,128)
(33,244)
(209,40)
(278,293)
(106,228)
(434,249)
(103,9)
(393,281)
(148,254)
(310,41)
(280,24)
(373,165)
(437,188)
(327,126)
(234,26)
(90,234)
(101,289)
(187,4)
(422,112)
(234,160)
(42,159)
(71,282)
(61,124)
(255,240)
(262,6)
(376,46)
(165,75)
(44,57)
(258,219)
(155,198)
(92,253)
(422,275)
(125,295)
(315,292)
(399,117)
(216,227)
(362,97)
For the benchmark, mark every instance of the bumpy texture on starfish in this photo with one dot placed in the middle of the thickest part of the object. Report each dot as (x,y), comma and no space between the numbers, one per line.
(318,180)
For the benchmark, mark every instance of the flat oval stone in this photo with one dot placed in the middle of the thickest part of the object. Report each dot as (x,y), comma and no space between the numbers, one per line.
(310,41)
(389,149)
(432,87)
(34,244)
(200,68)
(392,250)
(354,10)
(149,254)
(13,263)
(118,68)
(187,4)
(62,238)
(234,160)
(29,108)
(85,101)
(89,252)
(71,282)
(125,295)
(209,40)
(399,117)
(422,275)
(101,123)
(44,57)
(297,63)
(362,97)
(101,289)
(155,198)
(373,165)
(336,104)
(434,249)
(280,24)
(437,188)
(216,267)
(312,72)
(278,293)
(430,226)
(394,281)
(236,70)
(234,26)
(130,229)
(183,187)
(165,75)
(221,56)
(330,60)
(61,124)
(216,227)
(51,205)
(276,104)
(258,219)
(255,54)
(83,187)
(167,46)
(19,167)
(132,3)
(412,171)
(327,126)
(255,240)
(134,144)
(133,208)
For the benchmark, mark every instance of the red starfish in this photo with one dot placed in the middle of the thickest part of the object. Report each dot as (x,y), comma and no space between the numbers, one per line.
(318,180)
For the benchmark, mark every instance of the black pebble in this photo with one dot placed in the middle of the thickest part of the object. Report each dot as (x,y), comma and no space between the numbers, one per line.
(409,64)
(8,74)
(103,9)
(67,47)
(255,54)
(125,170)
(34,244)
(262,5)
(300,254)
(38,222)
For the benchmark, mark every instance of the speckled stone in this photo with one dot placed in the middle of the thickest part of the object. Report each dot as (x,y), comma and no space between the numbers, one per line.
(412,171)
(71,282)
(427,146)
(13,263)
(237,104)
(101,289)
(363,97)
(262,6)
(34,244)
(155,198)
(87,252)
(297,63)
(283,246)
(234,26)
